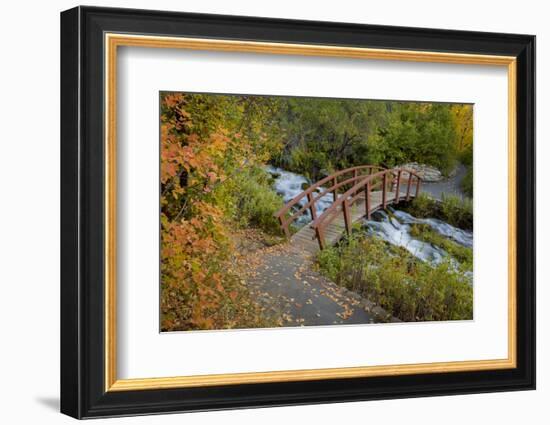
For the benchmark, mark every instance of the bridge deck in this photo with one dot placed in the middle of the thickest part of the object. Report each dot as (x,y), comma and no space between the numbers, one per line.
(305,239)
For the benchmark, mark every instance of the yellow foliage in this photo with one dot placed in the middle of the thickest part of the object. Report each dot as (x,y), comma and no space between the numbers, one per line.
(463,116)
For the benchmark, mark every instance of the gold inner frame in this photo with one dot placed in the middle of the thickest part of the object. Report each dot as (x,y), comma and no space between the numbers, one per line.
(113,41)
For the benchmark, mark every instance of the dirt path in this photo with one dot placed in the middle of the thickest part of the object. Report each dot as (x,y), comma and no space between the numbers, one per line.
(450,186)
(282,281)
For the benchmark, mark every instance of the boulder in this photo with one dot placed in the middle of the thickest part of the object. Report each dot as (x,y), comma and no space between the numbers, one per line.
(426,172)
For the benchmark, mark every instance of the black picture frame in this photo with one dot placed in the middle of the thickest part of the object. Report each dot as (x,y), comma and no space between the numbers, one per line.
(83,392)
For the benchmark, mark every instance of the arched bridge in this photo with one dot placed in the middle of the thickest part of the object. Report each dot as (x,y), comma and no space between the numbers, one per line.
(357,192)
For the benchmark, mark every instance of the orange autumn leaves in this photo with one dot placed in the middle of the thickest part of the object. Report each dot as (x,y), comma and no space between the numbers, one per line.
(197,291)
(184,151)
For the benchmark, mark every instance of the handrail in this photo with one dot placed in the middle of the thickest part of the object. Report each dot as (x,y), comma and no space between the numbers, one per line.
(344,196)
(312,200)
(319,183)
(363,185)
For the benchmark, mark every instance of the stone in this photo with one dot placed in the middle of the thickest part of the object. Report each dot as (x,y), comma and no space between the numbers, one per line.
(426,172)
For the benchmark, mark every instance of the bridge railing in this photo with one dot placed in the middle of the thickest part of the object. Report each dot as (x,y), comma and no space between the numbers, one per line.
(363,188)
(338,181)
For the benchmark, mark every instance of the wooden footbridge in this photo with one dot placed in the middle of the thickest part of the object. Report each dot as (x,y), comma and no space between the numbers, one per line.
(357,192)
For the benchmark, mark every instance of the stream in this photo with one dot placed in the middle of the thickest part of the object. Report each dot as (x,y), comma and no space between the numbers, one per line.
(288,185)
(394,228)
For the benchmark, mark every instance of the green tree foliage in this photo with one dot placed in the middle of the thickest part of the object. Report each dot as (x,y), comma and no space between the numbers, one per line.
(423,133)
(323,135)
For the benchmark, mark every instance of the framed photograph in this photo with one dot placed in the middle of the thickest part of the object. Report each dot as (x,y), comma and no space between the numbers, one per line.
(261,212)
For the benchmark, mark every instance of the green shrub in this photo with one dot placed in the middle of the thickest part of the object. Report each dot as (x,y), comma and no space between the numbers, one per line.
(457,211)
(467,156)
(451,209)
(330,262)
(467,183)
(251,200)
(403,285)
(423,206)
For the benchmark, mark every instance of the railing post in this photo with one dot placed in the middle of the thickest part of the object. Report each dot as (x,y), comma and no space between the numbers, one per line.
(384,184)
(367,199)
(397,188)
(320,237)
(335,191)
(409,186)
(417,186)
(284,225)
(312,208)
(347,218)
